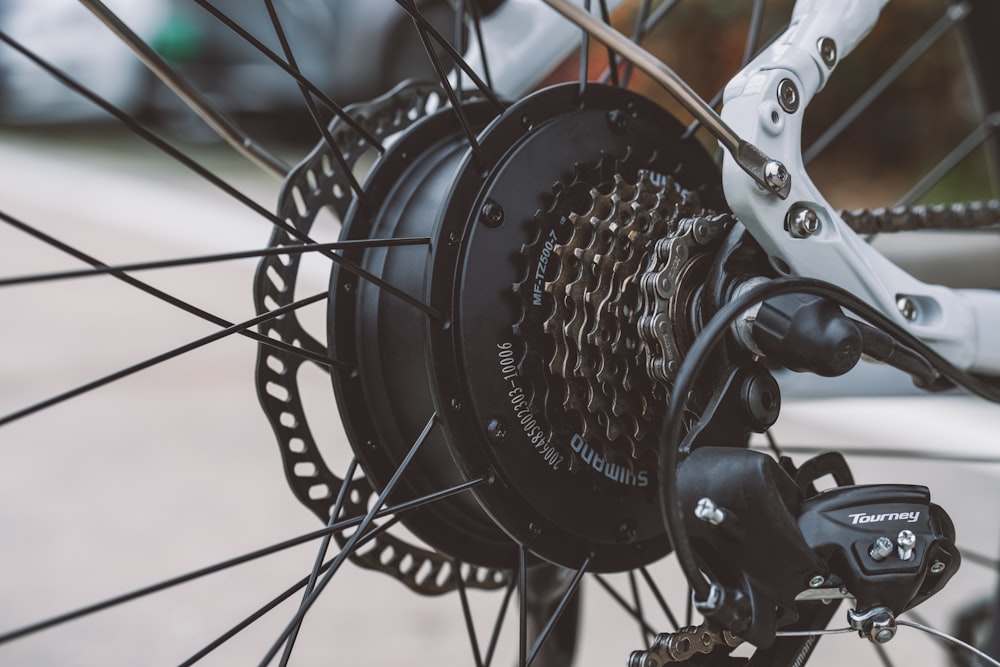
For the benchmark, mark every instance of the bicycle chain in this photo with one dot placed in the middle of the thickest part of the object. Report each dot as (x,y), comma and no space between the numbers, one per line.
(970,215)
(316,183)
(682,645)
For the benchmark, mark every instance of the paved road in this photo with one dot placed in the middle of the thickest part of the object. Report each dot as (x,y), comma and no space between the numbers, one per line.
(175,468)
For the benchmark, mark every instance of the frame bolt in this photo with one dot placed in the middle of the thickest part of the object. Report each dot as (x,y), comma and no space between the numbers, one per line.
(788,96)
(827,51)
(881,549)
(908,308)
(776,175)
(707,511)
(906,541)
(937,567)
(491,214)
(496,429)
(802,222)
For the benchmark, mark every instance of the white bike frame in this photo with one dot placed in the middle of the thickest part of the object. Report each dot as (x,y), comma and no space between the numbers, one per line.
(958,323)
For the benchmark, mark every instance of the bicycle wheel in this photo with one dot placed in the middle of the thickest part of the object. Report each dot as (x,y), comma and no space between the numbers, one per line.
(428,367)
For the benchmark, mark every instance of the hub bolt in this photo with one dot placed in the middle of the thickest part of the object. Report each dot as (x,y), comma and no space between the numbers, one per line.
(497,430)
(491,214)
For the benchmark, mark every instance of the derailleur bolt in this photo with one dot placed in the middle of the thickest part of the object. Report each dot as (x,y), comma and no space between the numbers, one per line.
(937,567)
(802,222)
(906,541)
(708,511)
(882,548)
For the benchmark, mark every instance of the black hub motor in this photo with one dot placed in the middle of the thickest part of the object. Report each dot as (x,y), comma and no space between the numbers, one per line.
(529,364)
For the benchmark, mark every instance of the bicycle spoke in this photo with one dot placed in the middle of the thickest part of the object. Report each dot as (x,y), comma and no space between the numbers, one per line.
(352,543)
(449,90)
(281,597)
(612,56)
(467,613)
(659,598)
(158,359)
(626,607)
(501,616)
(345,168)
(645,634)
(430,31)
(321,553)
(584,54)
(863,101)
(103,269)
(753,34)
(882,654)
(976,138)
(560,608)
(117,272)
(295,73)
(154,140)
(477,25)
(230,563)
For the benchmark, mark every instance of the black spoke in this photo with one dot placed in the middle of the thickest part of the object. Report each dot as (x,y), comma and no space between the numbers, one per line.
(753,34)
(883,655)
(772,444)
(612,56)
(160,358)
(117,272)
(449,90)
(626,607)
(295,73)
(865,100)
(184,159)
(274,602)
(522,606)
(104,269)
(501,615)
(976,138)
(560,608)
(324,131)
(584,55)
(637,34)
(470,627)
(662,601)
(980,559)
(321,553)
(352,542)
(429,30)
(345,524)
(477,25)
(197,101)
(646,635)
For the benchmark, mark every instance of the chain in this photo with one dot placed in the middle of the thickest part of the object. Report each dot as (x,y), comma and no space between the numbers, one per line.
(682,645)
(967,215)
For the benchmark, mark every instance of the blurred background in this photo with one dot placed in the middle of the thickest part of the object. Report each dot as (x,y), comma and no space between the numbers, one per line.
(176,467)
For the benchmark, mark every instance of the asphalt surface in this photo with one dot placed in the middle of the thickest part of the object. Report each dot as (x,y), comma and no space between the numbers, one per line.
(175,468)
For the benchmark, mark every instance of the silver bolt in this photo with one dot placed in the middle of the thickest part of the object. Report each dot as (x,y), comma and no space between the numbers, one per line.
(827,51)
(817,581)
(707,511)
(937,567)
(906,541)
(788,96)
(884,636)
(775,174)
(882,548)
(802,221)
(907,307)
